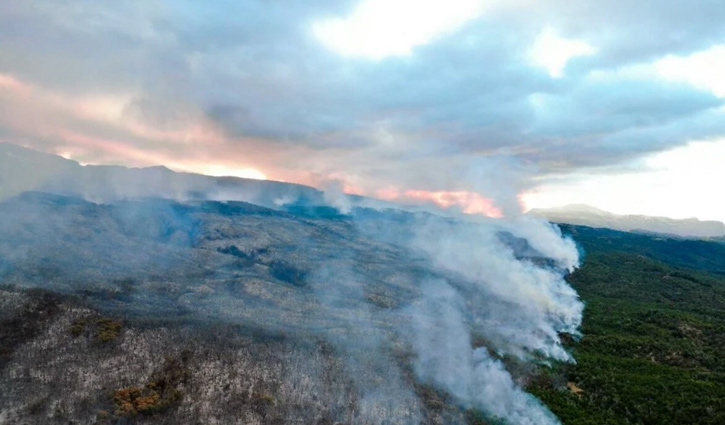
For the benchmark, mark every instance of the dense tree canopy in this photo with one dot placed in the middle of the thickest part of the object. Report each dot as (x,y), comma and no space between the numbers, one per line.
(654,333)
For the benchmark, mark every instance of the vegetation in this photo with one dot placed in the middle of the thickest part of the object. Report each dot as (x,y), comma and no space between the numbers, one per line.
(654,334)
(104,329)
(157,395)
(652,350)
(108,329)
(705,255)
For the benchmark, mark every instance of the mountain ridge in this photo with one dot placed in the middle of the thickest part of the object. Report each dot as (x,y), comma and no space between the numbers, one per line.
(586,215)
(24,169)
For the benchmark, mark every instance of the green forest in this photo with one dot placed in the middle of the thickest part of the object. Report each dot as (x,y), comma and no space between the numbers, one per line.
(653,345)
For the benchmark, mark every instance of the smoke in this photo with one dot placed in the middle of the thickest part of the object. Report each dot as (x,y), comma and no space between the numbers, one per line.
(454,295)
(363,340)
(336,197)
(500,281)
(442,340)
(520,303)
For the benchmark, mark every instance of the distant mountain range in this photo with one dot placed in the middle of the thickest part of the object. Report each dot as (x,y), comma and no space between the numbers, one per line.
(585,215)
(23,169)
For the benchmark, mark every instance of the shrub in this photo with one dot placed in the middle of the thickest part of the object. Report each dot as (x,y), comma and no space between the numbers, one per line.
(108,329)
(78,326)
(156,395)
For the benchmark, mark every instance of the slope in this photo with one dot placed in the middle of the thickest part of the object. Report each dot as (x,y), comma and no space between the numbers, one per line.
(654,334)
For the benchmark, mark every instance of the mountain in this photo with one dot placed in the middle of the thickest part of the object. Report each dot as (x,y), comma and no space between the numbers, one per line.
(156,311)
(153,310)
(23,169)
(159,312)
(144,296)
(586,215)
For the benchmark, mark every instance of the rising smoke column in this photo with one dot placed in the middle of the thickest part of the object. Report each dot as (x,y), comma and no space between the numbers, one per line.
(513,296)
(442,340)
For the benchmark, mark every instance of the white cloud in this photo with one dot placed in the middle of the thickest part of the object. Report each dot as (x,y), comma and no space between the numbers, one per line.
(680,183)
(552,52)
(704,69)
(380,28)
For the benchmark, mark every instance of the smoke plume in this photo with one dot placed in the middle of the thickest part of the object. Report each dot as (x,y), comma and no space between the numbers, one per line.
(399,295)
(500,281)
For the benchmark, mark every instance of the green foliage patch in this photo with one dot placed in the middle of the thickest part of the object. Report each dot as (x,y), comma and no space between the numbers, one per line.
(653,351)
(103,329)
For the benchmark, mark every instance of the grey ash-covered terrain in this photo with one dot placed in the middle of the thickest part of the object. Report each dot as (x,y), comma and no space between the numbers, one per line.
(159,256)
(58,372)
(238,296)
(243,313)
(138,308)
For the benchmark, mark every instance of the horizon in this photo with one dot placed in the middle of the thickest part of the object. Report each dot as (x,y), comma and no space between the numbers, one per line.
(422,203)
(469,104)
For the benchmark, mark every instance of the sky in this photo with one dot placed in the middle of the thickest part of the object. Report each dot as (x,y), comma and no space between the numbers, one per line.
(485,106)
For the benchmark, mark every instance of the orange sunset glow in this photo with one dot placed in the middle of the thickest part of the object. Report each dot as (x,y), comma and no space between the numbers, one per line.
(467,202)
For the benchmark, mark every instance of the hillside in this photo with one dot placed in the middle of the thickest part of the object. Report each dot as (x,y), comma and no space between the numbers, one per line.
(585,215)
(158,311)
(23,169)
(654,333)
(27,170)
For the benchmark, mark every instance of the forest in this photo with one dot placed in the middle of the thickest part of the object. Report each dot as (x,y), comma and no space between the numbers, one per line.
(653,333)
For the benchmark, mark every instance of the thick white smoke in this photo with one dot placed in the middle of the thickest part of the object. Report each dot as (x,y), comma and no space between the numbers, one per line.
(442,339)
(511,295)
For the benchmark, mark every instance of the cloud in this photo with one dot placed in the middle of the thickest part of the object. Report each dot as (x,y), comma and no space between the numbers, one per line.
(251,85)
(375,31)
(703,69)
(552,52)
